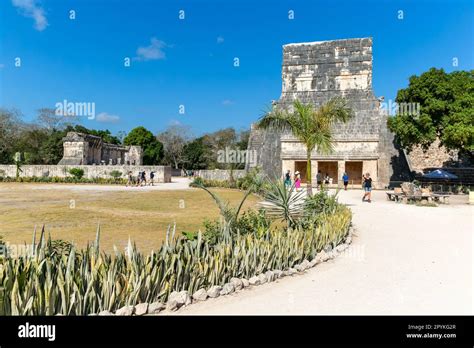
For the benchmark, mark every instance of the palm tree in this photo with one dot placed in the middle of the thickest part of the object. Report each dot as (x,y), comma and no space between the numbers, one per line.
(312,126)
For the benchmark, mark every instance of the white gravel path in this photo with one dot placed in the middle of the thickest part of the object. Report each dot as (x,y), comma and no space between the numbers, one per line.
(404,260)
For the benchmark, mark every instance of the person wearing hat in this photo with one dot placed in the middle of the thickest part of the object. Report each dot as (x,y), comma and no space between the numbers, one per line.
(297,180)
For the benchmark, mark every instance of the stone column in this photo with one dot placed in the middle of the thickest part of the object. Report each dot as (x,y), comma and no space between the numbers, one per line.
(341,168)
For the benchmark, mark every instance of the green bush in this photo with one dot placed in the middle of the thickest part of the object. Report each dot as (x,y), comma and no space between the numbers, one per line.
(77,173)
(116,174)
(321,203)
(253,179)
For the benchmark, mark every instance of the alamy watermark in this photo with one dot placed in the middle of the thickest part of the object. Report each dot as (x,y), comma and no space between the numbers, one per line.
(229,155)
(393,108)
(67,108)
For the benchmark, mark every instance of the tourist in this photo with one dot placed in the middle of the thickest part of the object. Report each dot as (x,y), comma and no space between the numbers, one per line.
(326,179)
(367,187)
(152,175)
(130,179)
(288,179)
(297,181)
(139,178)
(345,179)
(319,180)
(143,178)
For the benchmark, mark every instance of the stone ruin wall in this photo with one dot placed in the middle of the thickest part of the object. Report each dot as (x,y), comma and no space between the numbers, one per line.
(83,149)
(434,157)
(162,173)
(316,72)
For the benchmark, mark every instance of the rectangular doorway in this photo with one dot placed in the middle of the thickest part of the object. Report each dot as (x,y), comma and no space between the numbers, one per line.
(300,166)
(354,170)
(329,169)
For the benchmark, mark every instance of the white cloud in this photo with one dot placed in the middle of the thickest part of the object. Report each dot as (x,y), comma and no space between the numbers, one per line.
(220,39)
(227,102)
(107,118)
(152,52)
(32,9)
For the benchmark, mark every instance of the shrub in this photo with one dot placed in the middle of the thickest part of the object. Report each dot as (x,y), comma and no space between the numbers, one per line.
(77,173)
(116,174)
(321,203)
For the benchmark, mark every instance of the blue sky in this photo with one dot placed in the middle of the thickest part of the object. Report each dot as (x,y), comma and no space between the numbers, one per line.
(190,61)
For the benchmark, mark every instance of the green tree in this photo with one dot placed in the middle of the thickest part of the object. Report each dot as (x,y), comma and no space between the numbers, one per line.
(196,154)
(446,111)
(51,151)
(313,127)
(10,128)
(152,148)
(106,135)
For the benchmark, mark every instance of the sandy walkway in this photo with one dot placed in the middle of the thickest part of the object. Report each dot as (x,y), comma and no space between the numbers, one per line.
(404,260)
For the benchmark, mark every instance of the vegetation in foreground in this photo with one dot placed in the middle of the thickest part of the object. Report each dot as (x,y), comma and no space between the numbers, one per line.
(79,282)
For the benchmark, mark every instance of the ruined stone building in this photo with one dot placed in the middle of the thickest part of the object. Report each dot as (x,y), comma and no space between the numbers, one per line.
(84,149)
(314,72)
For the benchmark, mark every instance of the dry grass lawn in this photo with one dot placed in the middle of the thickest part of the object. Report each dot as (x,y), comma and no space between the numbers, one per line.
(74,215)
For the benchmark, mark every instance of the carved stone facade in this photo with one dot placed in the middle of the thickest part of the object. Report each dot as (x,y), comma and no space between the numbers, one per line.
(84,149)
(314,73)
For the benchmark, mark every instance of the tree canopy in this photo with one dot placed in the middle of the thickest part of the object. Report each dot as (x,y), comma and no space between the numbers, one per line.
(152,148)
(446,111)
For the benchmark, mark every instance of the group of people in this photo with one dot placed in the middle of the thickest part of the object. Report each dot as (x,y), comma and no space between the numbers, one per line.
(297,179)
(140,179)
(366,182)
(327,179)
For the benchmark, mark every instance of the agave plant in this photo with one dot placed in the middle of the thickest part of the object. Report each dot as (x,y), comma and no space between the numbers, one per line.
(84,281)
(284,204)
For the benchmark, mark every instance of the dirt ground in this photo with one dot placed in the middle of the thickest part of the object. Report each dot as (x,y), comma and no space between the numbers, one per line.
(404,259)
(73,212)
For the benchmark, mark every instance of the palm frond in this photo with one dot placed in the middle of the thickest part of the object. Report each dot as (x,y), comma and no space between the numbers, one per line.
(275,119)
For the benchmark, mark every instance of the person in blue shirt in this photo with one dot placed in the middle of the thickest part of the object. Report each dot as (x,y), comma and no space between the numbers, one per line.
(345,179)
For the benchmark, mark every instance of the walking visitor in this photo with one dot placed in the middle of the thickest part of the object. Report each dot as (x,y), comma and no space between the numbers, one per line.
(152,176)
(130,179)
(288,179)
(139,178)
(367,187)
(345,179)
(319,180)
(297,181)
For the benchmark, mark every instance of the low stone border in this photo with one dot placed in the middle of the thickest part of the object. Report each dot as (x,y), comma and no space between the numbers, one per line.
(181,299)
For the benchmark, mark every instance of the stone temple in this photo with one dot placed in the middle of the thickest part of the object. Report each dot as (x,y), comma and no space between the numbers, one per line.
(86,149)
(314,72)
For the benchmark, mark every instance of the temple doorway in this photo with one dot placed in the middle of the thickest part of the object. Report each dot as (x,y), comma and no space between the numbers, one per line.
(300,166)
